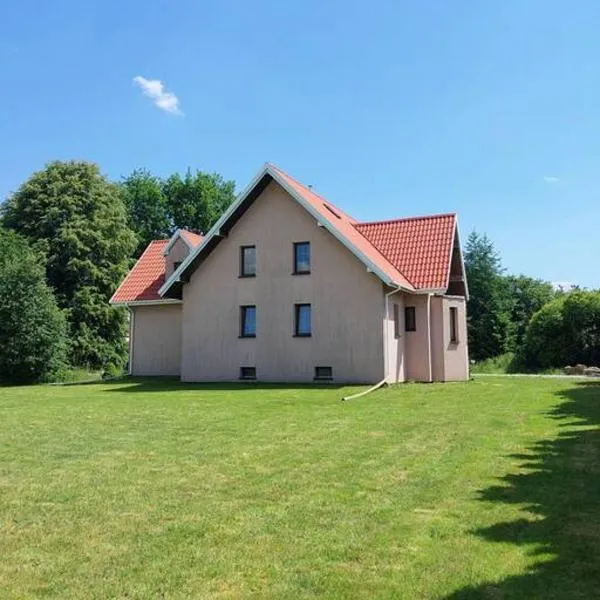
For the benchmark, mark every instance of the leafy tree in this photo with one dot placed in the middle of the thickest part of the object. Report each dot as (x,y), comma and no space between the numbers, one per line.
(156,208)
(146,206)
(197,200)
(76,218)
(565,331)
(489,304)
(527,296)
(33,338)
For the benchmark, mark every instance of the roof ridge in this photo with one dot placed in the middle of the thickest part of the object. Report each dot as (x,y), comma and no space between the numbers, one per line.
(312,191)
(401,219)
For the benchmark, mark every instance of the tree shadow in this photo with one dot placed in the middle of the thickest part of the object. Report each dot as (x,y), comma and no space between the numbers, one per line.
(172,384)
(561,486)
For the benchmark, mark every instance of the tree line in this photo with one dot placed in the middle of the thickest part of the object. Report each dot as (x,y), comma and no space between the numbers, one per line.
(541,327)
(68,236)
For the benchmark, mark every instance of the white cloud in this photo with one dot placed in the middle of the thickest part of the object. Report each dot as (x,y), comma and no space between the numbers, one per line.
(155,89)
(551,179)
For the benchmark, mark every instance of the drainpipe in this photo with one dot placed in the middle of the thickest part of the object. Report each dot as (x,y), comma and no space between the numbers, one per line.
(131,328)
(386,313)
(429,337)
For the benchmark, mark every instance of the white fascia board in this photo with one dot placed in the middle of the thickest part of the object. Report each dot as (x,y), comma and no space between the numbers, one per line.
(173,239)
(321,220)
(213,231)
(147,302)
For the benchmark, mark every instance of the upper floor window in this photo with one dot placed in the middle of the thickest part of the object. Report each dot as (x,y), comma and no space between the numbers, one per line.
(410,319)
(247,321)
(453,325)
(301,258)
(303,326)
(248,261)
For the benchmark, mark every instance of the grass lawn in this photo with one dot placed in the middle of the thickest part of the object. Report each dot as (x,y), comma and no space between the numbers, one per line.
(155,489)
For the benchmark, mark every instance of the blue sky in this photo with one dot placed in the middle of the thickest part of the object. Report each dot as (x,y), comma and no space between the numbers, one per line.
(489,109)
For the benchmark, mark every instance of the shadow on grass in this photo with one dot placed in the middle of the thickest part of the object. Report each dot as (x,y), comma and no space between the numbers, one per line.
(562,487)
(168,384)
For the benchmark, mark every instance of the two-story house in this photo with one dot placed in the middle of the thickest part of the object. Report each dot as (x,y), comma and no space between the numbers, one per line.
(288,287)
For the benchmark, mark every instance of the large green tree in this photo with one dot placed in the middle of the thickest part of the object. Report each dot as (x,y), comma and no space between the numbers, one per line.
(77,219)
(489,305)
(33,339)
(156,207)
(147,208)
(526,295)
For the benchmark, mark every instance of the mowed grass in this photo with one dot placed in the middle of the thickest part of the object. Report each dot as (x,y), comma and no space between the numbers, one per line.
(155,489)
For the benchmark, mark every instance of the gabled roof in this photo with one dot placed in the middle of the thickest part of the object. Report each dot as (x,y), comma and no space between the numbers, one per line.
(191,239)
(148,274)
(419,247)
(413,254)
(145,278)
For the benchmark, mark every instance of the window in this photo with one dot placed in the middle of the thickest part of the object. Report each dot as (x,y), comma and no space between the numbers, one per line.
(301,258)
(410,320)
(247,321)
(323,373)
(453,325)
(396,320)
(247,372)
(302,327)
(248,261)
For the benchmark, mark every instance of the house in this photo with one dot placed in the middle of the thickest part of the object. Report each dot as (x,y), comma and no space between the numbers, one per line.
(288,287)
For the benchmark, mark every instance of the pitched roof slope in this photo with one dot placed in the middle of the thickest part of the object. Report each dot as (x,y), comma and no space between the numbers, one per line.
(145,278)
(191,238)
(418,247)
(346,226)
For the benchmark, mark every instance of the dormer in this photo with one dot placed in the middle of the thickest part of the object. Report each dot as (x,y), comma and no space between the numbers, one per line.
(179,246)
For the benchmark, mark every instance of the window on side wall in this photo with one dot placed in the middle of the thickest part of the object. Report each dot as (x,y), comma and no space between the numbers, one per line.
(248,261)
(302,258)
(453,325)
(410,318)
(248,321)
(302,326)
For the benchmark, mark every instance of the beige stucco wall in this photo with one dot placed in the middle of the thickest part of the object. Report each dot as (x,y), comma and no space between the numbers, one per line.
(347,303)
(156,341)
(177,253)
(396,353)
(437,338)
(416,343)
(456,356)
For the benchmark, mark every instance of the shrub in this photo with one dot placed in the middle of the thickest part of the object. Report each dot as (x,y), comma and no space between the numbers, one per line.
(565,331)
(33,340)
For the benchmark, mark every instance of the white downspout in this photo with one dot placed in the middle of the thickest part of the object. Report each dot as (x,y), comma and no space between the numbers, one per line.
(429,337)
(131,329)
(386,313)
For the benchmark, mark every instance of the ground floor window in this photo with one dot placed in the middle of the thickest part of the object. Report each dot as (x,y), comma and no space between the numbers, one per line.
(410,319)
(453,325)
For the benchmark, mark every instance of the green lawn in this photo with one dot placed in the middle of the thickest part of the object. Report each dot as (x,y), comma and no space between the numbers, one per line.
(155,489)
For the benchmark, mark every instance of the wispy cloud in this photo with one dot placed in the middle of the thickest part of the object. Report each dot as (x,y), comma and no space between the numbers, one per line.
(155,89)
(551,179)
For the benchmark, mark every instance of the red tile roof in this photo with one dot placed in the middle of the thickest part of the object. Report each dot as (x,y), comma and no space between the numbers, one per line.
(191,238)
(148,274)
(346,225)
(419,247)
(415,253)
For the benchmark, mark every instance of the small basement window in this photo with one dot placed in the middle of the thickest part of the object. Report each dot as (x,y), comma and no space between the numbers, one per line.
(323,373)
(453,325)
(247,372)
(410,319)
